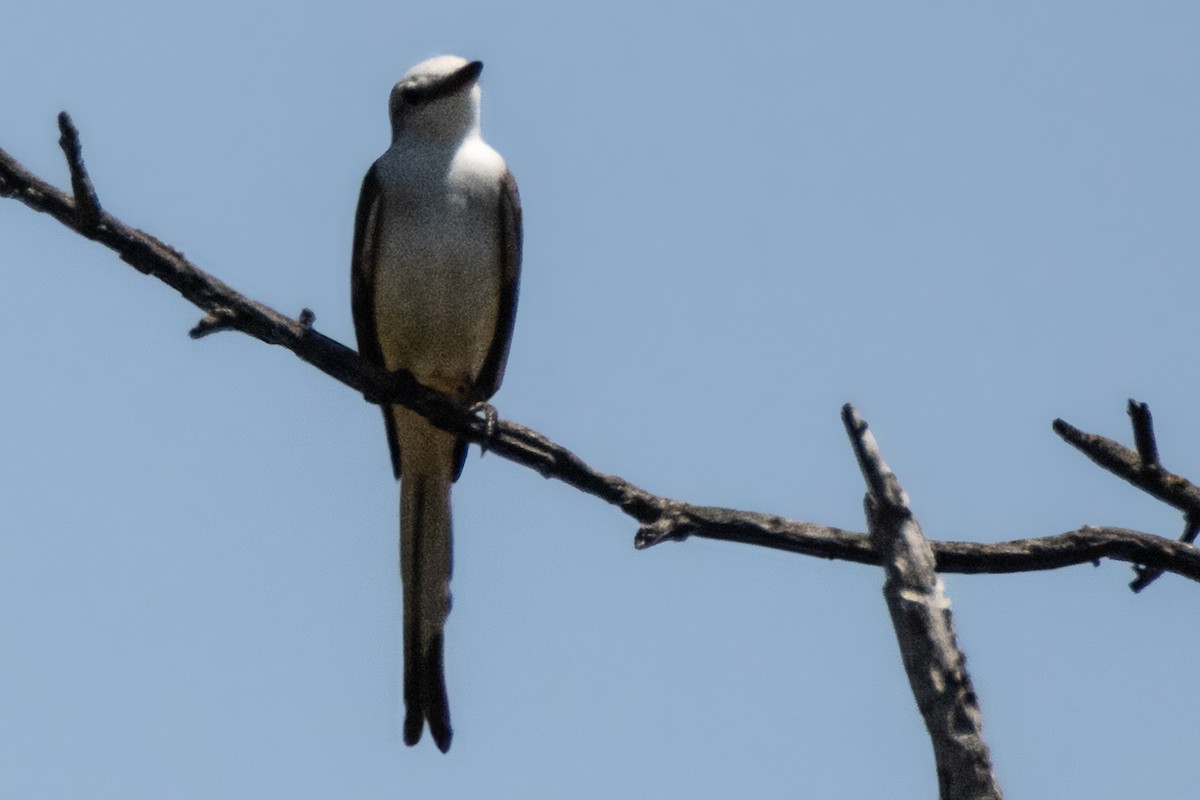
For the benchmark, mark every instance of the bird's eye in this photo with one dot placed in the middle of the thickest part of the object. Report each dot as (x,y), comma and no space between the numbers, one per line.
(410,95)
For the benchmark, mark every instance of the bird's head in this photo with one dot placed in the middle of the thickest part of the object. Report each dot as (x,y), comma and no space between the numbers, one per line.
(437,99)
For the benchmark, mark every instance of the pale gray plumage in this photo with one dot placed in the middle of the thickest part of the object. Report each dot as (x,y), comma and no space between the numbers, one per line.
(436,261)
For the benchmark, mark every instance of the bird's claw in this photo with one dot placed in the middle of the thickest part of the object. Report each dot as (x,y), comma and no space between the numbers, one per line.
(491,423)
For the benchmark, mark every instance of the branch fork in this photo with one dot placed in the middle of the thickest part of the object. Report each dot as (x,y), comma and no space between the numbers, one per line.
(1141,468)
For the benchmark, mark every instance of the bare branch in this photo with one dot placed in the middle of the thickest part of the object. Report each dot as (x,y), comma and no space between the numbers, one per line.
(1143,433)
(1148,575)
(1143,470)
(1147,448)
(924,628)
(660,518)
(87,205)
(1125,463)
(219,319)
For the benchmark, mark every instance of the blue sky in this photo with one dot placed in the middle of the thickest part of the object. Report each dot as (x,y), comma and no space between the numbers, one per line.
(966,218)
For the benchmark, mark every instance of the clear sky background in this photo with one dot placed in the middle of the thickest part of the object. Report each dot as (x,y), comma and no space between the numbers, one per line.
(966,218)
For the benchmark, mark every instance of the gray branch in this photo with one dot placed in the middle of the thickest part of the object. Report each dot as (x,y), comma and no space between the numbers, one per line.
(920,610)
(1141,468)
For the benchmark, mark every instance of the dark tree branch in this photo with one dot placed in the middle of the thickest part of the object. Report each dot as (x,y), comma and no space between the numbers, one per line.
(1143,470)
(924,626)
(87,205)
(1125,463)
(1143,433)
(1148,575)
(660,518)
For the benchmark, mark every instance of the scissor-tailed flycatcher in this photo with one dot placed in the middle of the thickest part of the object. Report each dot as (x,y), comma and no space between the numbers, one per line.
(437,254)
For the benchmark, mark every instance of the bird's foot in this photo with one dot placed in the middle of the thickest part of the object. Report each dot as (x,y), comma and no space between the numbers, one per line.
(491,422)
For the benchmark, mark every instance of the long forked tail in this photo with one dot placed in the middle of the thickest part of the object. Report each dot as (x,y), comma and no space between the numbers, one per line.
(425,565)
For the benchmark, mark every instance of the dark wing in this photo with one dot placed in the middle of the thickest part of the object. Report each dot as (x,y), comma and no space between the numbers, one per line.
(362,291)
(488,382)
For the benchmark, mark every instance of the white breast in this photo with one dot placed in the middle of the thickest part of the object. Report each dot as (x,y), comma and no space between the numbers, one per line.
(438,272)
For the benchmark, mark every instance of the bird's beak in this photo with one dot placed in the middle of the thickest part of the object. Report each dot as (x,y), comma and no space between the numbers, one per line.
(453,83)
(465,76)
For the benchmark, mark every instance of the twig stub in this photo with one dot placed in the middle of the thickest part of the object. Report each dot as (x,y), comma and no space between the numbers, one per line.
(87,204)
(1143,433)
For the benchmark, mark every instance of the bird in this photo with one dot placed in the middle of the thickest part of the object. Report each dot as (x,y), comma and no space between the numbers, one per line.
(434,278)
